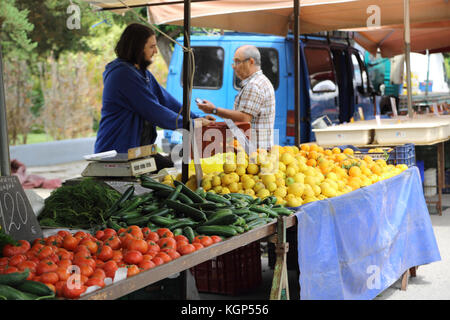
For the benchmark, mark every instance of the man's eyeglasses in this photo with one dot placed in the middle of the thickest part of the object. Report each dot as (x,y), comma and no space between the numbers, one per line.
(237,61)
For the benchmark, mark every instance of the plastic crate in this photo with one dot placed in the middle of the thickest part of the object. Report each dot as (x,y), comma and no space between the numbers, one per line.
(232,273)
(404,154)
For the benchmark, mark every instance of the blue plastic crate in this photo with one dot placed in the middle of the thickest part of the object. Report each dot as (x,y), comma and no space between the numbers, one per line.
(404,154)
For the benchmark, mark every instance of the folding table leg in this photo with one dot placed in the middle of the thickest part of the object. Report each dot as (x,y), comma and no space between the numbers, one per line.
(280,282)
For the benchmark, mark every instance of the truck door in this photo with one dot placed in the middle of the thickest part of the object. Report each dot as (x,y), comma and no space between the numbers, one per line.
(361,86)
(324,92)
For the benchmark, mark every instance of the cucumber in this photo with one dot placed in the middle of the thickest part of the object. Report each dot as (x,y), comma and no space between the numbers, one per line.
(183,223)
(149,208)
(182,197)
(241,196)
(15,278)
(217,198)
(220,212)
(11,293)
(205,205)
(251,216)
(156,186)
(201,192)
(129,215)
(222,219)
(189,211)
(282,211)
(241,212)
(35,287)
(261,209)
(177,232)
(256,223)
(175,193)
(188,232)
(116,206)
(256,201)
(239,229)
(188,192)
(162,221)
(138,221)
(159,212)
(226,231)
(240,221)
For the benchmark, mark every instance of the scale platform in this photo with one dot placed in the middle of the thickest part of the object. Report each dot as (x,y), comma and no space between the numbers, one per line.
(136,162)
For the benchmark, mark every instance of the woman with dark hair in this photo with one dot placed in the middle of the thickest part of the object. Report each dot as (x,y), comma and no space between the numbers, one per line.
(134,103)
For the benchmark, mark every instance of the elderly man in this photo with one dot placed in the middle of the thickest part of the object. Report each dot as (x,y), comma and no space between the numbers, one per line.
(255,102)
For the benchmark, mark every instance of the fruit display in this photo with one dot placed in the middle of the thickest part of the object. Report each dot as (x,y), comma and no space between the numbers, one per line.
(296,175)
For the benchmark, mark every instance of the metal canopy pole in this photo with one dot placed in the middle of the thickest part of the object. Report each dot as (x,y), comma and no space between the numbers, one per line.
(297,71)
(5,165)
(407,37)
(186,91)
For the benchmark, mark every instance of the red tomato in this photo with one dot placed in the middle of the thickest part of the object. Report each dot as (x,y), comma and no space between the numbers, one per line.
(31,265)
(216,239)
(70,242)
(206,241)
(164,256)
(54,240)
(99,273)
(63,233)
(63,274)
(125,238)
(181,243)
(132,257)
(153,236)
(100,234)
(64,254)
(153,246)
(146,264)
(73,292)
(9,269)
(44,253)
(110,268)
(172,253)
(135,231)
(46,266)
(10,250)
(105,253)
(4,261)
(197,245)
(186,249)
(64,263)
(147,256)
(17,259)
(132,270)
(49,277)
(164,233)
(180,237)
(157,261)
(145,232)
(108,233)
(117,255)
(86,270)
(90,244)
(58,288)
(166,242)
(138,245)
(113,242)
(94,281)
(80,235)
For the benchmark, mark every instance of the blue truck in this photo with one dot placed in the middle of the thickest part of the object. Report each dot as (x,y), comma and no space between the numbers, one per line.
(334,79)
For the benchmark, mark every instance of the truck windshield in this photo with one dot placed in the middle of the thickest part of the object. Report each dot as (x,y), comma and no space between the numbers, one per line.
(208,67)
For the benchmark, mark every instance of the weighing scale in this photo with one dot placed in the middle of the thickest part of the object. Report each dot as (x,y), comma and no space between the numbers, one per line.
(136,162)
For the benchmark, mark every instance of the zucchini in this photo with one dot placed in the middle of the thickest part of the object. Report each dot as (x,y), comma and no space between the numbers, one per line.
(282,211)
(189,211)
(270,200)
(116,206)
(128,206)
(188,192)
(162,221)
(183,223)
(256,201)
(226,231)
(251,216)
(130,215)
(147,179)
(177,232)
(175,193)
(240,221)
(220,212)
(156,186)
(149,208)
(222,219)
(15,278)
(138,221)
(256,223)
(217,198)
(159,212)
(188,232)
(241,212)
(261,209)
(182,197)
(241,196)
(201,192)
(239,229)
(205,205)
(35,287)
(11,293)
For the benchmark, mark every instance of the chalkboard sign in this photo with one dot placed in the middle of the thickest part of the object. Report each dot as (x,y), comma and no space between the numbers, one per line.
(16,214)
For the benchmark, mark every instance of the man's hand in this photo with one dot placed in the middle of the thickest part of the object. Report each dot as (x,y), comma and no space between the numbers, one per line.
(205,121)
(210,117)
(206,106)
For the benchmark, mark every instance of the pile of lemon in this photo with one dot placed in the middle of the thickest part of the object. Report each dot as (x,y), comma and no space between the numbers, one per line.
(297,175)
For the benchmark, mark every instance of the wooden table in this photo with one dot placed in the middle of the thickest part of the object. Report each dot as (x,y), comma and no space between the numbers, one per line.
(145,278)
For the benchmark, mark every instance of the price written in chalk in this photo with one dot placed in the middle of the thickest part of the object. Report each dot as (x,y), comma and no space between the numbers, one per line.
(16,214)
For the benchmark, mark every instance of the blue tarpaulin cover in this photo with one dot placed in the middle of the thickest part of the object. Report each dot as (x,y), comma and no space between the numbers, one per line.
(357,245)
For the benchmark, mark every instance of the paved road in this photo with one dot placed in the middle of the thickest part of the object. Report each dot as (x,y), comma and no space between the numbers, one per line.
(432,281)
